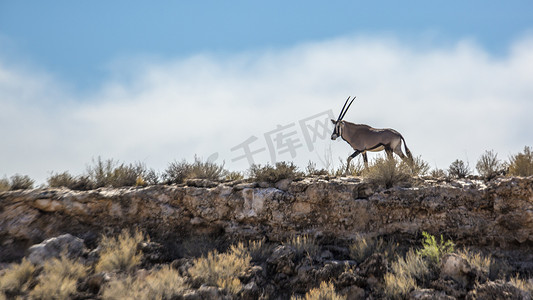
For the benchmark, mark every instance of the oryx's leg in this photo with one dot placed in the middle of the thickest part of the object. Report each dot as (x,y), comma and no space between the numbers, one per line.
(365,159)
(357,152)
(389,151)
(398,151)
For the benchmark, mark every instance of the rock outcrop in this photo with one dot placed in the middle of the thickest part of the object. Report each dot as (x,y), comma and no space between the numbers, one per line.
(470,212)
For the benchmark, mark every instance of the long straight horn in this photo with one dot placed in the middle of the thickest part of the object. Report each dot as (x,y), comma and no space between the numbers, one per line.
(342,110)
(346,110)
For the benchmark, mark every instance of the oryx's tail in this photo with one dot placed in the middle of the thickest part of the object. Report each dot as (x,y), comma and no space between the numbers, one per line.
(407,149)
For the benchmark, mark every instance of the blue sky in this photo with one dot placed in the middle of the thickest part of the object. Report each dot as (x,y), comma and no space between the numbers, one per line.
(76,40)
(156,82)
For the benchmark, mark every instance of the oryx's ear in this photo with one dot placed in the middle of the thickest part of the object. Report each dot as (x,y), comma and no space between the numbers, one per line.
(333,121)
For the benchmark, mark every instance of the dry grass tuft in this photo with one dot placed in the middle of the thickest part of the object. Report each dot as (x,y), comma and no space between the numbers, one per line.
(273,174)
(58,279)
(521,164)
(398,286)
(165,283)
(178,172)
(477,260)
(17,278)
(326,291)
(364,247)
(412,265)
(121,253)
(387,172)
(304,244)
(521,284)
(222,269)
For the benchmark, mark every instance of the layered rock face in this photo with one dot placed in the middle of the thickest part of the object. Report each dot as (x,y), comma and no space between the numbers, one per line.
(494,214)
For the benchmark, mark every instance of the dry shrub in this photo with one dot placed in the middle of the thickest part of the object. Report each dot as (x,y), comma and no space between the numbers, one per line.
(259,250)
(412,265)
(58,279)
(405,272)
(459,169)
(417,167)
(398,286)
(4,185)
(222,269)
(82,183)
(438,173)
(21,182)
(123,289)
(488,165)
(273,174)
(354,169)
(326,291)
(17,278)
(178,172)
(121,253)
(521,284)
(233,176)
(311,170)
(477,260)
(521,164)
(112,173)
(364,247)
(304,244)
(387,172)
(165,283)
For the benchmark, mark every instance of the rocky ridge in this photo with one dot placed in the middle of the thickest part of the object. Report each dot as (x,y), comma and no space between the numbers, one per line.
(495,217)
(498,213)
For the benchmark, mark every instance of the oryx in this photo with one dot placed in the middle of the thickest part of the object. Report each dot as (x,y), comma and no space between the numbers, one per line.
(364,138)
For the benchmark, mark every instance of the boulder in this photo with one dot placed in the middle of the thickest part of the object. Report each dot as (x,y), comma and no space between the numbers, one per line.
(67,244)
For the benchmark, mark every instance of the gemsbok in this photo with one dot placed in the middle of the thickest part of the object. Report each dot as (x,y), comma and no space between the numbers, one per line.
(364,138)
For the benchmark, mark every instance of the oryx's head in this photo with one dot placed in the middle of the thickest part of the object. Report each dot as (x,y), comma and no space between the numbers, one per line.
(337,131)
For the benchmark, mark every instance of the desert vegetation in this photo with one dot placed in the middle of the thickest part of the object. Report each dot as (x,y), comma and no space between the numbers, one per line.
(381,171)
(298,268)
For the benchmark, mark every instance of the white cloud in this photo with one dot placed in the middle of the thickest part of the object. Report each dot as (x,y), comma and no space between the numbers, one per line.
(449,103)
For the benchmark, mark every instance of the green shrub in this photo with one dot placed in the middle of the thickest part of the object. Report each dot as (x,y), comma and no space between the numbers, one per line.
(121,253)
(459,169)
(521,164)
(21,182)
(488,165)
(273,174)
(387,172)
(433,250)
(178,172)
(326,291)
